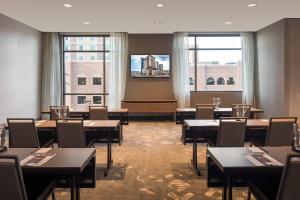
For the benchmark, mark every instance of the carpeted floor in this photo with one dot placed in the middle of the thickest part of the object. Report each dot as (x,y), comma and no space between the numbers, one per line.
(152,163)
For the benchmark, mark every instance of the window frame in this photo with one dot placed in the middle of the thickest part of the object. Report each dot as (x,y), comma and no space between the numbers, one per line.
(195,50)
(104,51)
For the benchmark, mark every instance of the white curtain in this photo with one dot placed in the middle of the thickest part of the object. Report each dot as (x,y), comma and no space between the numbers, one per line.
(248,67)
(180,64)
(51,71)
(118,69)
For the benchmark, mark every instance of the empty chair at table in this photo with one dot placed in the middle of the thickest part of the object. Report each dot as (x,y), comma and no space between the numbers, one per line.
(12,185)
(98,113)
(204,111)
(241,110)
(288,188)
(70,133)
(22,133)
(280,131)
(58,112)
(231,132)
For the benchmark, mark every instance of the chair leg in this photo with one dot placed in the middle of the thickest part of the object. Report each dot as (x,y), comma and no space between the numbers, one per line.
(53,195)
(249,194)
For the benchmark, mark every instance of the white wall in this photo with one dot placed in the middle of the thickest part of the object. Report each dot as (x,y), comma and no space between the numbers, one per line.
(20,69)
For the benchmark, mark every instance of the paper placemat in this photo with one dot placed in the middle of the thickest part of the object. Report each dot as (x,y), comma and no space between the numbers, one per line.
(262,159)
(37,158)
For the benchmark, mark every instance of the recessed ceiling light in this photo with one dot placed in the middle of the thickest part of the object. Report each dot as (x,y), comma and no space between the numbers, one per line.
(160,5)
(252,5)
(158,22)
(228,22)
(86,23)
(67,5)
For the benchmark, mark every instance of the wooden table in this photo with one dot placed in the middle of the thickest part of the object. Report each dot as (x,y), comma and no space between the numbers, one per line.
(189,113)
(96,125)
(232,163)
(67,162)
(115,114)
(199,128)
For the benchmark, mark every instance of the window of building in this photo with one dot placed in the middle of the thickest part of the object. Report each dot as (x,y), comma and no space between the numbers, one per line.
(221,81)
(97,100)
(97,81)
(210,81)
(81,99)
(192,81)
(230,81)
(88,55)
(81,81)
(215,56)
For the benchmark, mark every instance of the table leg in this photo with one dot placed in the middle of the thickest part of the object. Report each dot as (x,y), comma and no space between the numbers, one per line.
(73,186)
(194,159)
(109,159)
(229,187)
(77,187)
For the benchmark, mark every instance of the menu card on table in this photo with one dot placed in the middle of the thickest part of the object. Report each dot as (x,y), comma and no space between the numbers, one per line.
(38,158)
(259,158)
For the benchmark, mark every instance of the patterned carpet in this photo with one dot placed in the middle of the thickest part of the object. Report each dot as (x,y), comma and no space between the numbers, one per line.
(152,163)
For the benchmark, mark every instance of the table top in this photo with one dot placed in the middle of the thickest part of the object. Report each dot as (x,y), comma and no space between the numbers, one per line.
(65,159)
(230,158)
(254,110)
(86,123)
(198,123)
(86,110)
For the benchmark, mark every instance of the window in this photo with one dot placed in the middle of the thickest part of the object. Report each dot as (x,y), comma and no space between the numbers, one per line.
(230,81)
(210,81)
(221,81)
(81,81)
(97,100)
(81,99)
(97,81)
(213,58)
(86,66)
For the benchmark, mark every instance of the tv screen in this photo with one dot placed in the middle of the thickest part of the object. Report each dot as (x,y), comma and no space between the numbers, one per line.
(150,66)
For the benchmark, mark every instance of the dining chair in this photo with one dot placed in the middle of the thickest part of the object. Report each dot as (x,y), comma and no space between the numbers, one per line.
(57,112)
(231,132)
(22,133)
(98,113)
(205,111)
(280,131)
(12,185)
(240,108)
(289,184)
(70,133)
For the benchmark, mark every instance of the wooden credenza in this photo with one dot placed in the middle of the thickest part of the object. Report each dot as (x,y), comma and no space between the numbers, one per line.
(150,106)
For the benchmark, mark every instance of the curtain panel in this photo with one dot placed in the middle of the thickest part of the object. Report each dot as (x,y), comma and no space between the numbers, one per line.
(118,69)
(51,70)
(248,67)
(180,69)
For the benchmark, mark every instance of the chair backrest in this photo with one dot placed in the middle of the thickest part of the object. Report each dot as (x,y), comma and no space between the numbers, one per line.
(11,181)
(290,179)
(205,111)
(70,133)
(2,135)
(22,133)
(59,112)
(280,131)
(231,132)
(238,109)
(98,113)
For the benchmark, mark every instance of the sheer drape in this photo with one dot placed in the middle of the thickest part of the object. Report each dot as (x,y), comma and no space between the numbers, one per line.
(51,72)
(180,69)
(118,69)
(248,67)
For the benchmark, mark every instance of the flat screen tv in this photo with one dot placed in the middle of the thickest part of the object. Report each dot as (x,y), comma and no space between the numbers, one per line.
(150,66)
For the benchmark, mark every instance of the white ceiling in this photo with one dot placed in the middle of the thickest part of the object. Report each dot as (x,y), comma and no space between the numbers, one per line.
(142,16)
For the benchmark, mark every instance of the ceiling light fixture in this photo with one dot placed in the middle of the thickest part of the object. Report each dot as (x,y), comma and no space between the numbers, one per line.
(252,5)
(67,5)
(160,5)
(228,22)
(86,23)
